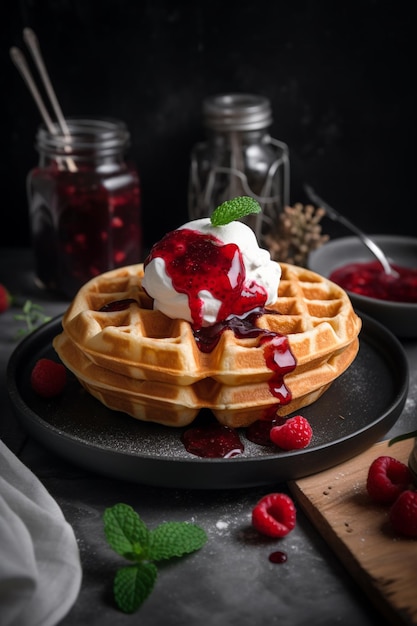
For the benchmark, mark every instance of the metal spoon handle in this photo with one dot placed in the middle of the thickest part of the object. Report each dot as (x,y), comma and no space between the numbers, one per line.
(33,44)
(20,62)
(335,215)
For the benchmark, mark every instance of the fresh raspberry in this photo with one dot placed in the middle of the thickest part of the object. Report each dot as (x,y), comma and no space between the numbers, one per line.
(403,514)
(5,298)
(387,478)
(274,515)
(294,434)
(48,378)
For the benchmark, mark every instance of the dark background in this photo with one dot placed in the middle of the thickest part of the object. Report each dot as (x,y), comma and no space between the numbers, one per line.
(340,77)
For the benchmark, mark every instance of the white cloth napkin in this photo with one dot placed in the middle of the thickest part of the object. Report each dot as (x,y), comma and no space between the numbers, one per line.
(40,568)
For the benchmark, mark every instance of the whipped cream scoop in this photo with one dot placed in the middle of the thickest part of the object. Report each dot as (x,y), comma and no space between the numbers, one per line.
(205,274)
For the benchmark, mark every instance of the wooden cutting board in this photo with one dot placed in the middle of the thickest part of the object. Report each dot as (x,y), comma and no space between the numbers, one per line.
(384,564)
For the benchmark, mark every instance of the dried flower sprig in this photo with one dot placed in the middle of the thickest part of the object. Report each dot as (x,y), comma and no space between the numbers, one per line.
(298,232)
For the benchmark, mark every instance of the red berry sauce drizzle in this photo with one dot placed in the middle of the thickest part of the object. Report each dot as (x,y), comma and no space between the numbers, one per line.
(117,305)
(197,262)
(212,440)
(369,279)
(258,432)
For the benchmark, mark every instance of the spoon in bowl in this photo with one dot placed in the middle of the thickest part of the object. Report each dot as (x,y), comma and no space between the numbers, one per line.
(367,241)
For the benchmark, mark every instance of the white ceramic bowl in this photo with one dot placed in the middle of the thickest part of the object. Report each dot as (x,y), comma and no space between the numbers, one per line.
(400,318)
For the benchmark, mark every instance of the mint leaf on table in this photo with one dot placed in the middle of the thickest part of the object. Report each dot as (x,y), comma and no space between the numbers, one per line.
(125,532)
(133,584)
(175,539)
(234,209)
(129,536)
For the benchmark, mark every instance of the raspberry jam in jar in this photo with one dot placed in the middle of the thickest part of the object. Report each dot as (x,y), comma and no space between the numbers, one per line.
(84,204)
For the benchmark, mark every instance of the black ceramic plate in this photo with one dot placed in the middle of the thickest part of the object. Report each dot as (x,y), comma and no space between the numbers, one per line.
(358,410)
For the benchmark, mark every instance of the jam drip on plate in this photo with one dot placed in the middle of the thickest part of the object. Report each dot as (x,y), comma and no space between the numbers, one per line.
(212,441)
(258,432)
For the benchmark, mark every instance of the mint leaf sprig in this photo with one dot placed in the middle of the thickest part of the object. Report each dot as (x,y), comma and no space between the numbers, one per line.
(129,536)
(32,315)
(234,209)
(402,437)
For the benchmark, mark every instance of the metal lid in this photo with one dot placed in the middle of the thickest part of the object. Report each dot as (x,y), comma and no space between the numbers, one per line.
(237,112)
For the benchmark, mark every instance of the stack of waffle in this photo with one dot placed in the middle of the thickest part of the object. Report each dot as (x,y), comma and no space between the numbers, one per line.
(138,361)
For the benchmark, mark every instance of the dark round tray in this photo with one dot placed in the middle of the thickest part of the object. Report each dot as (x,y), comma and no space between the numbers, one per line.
(358,410)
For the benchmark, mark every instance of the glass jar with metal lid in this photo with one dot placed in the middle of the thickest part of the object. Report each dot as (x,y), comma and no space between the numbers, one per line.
(239,158)
(84,204)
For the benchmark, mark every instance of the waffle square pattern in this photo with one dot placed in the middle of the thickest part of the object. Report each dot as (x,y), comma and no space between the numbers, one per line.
(139,361)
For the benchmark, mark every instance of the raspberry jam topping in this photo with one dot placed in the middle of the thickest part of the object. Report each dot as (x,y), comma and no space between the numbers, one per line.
(117,305)
(369,279)
(208,337)
(197,262)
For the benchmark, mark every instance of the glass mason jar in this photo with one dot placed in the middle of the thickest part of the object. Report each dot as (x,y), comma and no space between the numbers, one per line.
(84,204)
(239,158)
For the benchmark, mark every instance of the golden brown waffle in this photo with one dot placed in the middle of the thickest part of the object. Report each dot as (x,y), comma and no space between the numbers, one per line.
(178,405)
(143,363)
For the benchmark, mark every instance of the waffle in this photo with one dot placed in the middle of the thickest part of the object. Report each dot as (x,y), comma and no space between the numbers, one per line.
(139,361)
